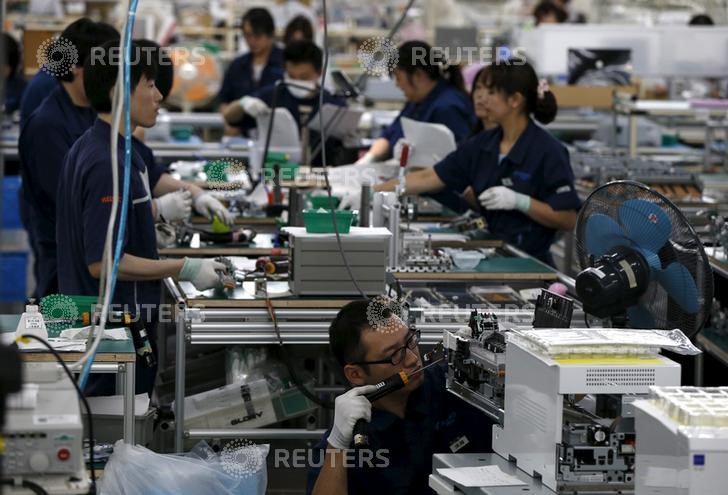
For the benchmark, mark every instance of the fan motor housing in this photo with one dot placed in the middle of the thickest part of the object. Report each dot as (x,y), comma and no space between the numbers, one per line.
(613,283)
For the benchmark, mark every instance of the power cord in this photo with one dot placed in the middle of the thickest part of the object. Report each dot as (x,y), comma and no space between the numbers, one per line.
(287,361)
(30,485)
(92,489)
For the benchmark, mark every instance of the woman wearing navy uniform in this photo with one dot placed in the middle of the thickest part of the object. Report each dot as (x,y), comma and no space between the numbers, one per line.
(519,172)
(260,67)
(435,93)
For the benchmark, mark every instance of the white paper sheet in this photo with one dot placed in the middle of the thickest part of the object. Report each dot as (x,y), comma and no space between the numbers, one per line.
(82,334)
(345,121)
(285,130)
(431,142)
(113,405)
(479,476)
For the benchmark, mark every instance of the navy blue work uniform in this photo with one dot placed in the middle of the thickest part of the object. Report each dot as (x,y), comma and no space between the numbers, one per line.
(285,99)
(83,211)
(444,105)
(44,141)
(14,89)
(240,81)
(401,461)
(155,170)
(39,86)
(537,165)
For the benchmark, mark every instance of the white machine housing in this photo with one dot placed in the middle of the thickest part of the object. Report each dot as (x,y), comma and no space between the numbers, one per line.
(43,429)
(534,400)
(674,458)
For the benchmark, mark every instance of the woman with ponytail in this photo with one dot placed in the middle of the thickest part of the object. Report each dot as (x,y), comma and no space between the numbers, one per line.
(435,93)
(519,172)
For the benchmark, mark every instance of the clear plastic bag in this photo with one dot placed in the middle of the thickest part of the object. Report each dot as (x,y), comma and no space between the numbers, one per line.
(135,470)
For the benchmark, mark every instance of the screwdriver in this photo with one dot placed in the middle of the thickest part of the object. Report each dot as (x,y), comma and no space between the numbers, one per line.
(385,387)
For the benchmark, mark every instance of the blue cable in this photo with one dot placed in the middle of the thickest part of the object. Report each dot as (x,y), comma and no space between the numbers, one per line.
(127,170)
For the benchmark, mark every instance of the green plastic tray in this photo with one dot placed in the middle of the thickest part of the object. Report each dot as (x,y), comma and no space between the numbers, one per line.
(323,202)
(319,221)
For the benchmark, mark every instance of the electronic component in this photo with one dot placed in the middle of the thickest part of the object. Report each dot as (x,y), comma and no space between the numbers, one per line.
(553,311)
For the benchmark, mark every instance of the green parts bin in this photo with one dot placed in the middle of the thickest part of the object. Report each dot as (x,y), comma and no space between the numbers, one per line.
(319,221)
(320,201)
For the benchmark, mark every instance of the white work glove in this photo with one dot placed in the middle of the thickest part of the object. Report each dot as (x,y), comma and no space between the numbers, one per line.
(173,206)
(254,106)
(351,198)
(203,273)
(348,409)
(503,198)
(366,159)
(398,149)
(207,206)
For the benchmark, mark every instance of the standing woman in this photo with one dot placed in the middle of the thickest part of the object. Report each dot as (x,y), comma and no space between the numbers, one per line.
(519,172)
(435,93)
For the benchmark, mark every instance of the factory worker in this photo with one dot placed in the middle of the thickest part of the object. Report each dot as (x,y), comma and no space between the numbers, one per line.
(435,93)
(405,428)
(260,67)
(12,73)
(299,95)
(85,196)
(44,140)
(519,172)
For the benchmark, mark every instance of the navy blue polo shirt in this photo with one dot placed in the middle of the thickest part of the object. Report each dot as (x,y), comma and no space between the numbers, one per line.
(537,165)
(45,138)
(84,206)
(154,169)
(443,105)
(293,104)
(434,420)
(39,86)
(239,80)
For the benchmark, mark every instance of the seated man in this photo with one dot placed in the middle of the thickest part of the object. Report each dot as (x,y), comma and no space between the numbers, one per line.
(299,93)
(406,427)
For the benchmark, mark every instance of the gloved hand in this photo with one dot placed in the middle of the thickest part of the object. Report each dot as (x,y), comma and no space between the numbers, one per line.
(202,273)
(350,198)
(254,106)
(398,149)
(207,206)
(173,206)
(348,409)
(503,198)
(366,159)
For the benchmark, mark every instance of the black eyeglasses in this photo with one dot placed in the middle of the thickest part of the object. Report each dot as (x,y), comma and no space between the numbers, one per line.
(398,355)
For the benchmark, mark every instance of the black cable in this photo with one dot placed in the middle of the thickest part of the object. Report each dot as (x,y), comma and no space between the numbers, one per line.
(287,361)
(586,321)
(92,489)
(30,485)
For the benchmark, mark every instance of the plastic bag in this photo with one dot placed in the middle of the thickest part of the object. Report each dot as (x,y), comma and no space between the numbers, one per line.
(239,470)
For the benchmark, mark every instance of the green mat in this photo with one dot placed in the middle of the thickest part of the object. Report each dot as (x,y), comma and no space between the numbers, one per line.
(509,265)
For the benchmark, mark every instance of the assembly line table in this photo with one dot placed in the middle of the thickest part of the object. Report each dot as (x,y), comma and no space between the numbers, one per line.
(113,356)
(443,486)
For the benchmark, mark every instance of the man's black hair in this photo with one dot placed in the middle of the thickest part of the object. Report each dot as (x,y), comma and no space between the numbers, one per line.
(345,332)
(165,73)
(101,70)
(260,20)
(11,50)
(547,7)
(701,20)
(300,24)
(85,34)
(304,52)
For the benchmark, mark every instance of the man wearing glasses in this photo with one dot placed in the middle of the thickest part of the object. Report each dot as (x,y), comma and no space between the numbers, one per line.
(406,427)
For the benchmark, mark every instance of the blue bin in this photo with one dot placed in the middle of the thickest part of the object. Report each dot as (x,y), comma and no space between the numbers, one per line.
(10,207)
(13,277)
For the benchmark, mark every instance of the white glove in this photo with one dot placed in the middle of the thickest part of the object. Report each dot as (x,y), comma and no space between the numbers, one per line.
(398,149)
(503,198)
(254,106)
(207,205)
(366,159)
(203,273)
(348,409)
(351,198)
(174,206)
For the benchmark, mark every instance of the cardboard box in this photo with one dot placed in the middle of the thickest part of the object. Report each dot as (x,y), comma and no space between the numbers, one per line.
(597,97)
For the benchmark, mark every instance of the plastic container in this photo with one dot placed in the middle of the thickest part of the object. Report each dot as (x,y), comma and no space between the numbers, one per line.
(319,221)
(323,202)
(466,260)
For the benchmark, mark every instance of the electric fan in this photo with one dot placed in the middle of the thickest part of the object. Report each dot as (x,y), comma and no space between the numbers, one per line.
(642,263)
(197,76)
